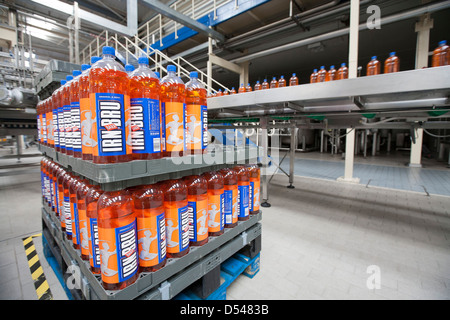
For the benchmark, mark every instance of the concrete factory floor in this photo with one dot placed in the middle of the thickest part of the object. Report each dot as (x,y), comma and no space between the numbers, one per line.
(322,240)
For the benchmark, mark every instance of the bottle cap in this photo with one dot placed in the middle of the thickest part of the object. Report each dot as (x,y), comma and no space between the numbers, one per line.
(68,78)
(108,50)
(332,67)
(343,64)
(257,82)
(63,82)
(232,88)
(265,80)
(294,75)
(129,67)
(94,59)
(85,67)
(274,78)
(282,77)
(322,67)
(193,74)
(76,73)
(374,58)
(171,68)
(392,54)
(442,43)
(143,60)
(315,70)
(248,84)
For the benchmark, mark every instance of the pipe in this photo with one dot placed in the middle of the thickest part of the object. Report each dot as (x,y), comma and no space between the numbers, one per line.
(334,34)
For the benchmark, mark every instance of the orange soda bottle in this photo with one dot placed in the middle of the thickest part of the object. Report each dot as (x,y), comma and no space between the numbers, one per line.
(60,177)
(232,91)
(313,77)
(151,226)
(177,217)
(197,116)
(198,209)
(49,118)
(74,211)
(257,86)
(230,207)
(215,202)
(293,81)
(87,114)
(117,237)
(248,88)
(110,105)
(281,82)
(274,83)
(61,120)
(145,112)
(173,112)
(241,88)
(81,193)
(441,55)
(392,64)
(67,115)
(342,72)
(68,178)
(265,85)
(322,74)
(254,191)
(54,107)
(373,67)
(75,113)
(92,197)
(331,74)
(243,191)
(219,92)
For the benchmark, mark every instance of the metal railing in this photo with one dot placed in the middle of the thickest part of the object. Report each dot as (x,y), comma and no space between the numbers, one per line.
(158,60)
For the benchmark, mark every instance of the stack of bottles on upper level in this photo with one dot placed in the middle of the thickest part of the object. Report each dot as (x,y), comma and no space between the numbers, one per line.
(109,114)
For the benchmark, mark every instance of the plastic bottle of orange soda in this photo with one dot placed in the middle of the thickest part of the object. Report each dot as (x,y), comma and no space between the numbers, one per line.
(92,197)
(274,83)
(293,81)
(392,64)
(68,178)
(67,114)
(441,55)
(117,236)
(74,211)
(230,207)
(241,88)
(265,85)
(198,209)
(257,86)
(75,113)
(60,115)
(60,177)
(109,99)
(322,74)
(216,203)
(87,113)
(177,217)
(342,72)
(145,112)
(331,74)
(282,82)
(373,67)
(313,77)
(50,127)
(173,111)
(197,116)
(254,190)
(54,107)
(248,88)
(232,91)
(81,193)
(151,226)
(243,191)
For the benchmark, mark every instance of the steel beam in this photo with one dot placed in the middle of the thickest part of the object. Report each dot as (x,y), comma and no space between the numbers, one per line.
(183,19)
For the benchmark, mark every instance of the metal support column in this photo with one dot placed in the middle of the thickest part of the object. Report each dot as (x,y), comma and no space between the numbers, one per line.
(416,148)
(265,163)
(423,39)
(292,148)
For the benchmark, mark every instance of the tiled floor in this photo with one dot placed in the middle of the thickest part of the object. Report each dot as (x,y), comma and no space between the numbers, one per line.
(318,242)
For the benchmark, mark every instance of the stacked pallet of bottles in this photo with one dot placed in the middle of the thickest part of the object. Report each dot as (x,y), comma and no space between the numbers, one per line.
(107,114)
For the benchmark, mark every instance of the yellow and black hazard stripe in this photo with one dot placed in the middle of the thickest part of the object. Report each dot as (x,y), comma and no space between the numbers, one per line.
(37,273)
